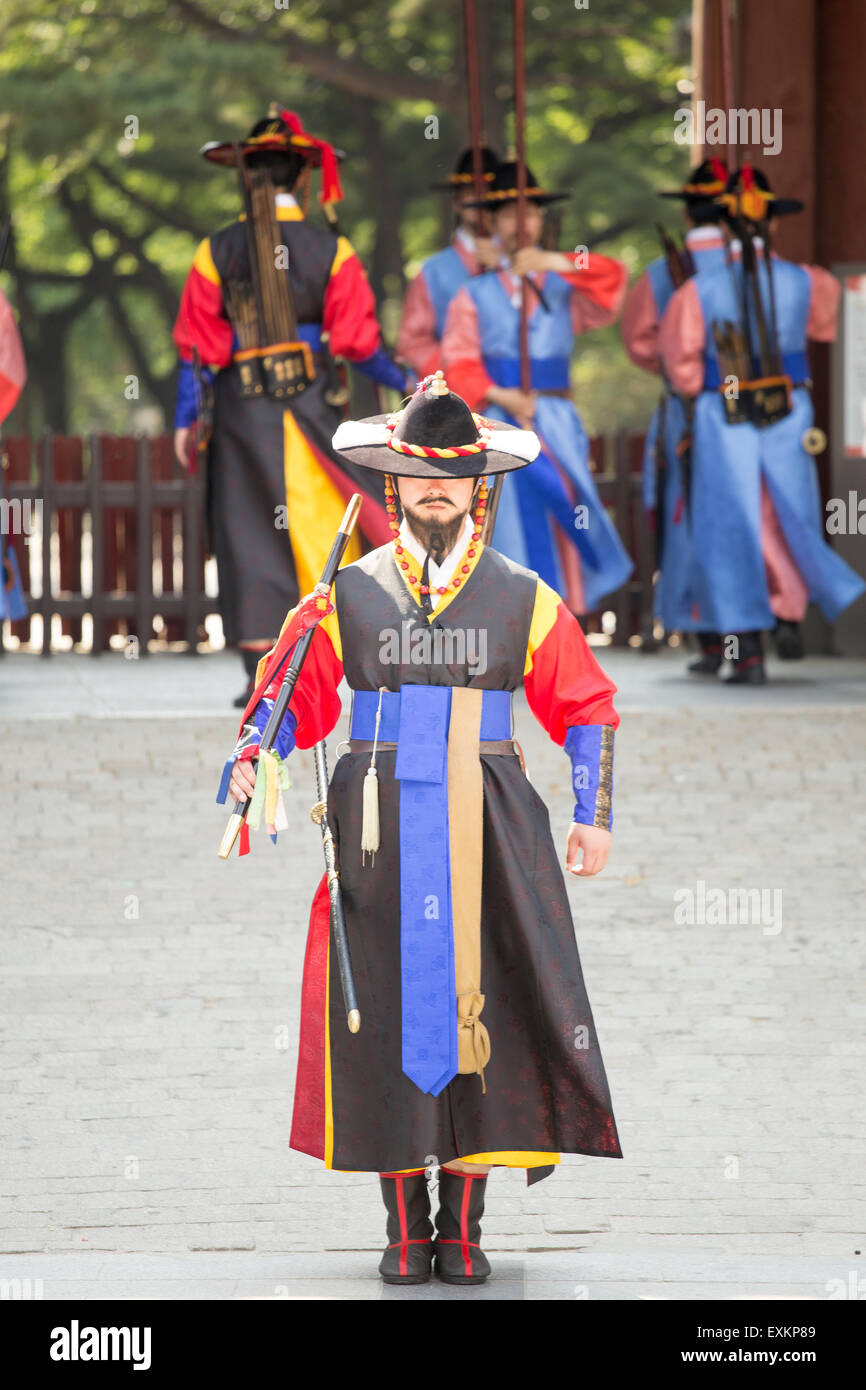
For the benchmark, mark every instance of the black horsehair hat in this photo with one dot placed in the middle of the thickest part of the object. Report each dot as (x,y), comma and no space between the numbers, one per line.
(706,180)
(463,177)
(749,196)
(435,435)
(503,189)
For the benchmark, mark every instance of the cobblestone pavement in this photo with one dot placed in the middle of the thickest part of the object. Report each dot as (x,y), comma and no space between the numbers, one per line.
(149,998)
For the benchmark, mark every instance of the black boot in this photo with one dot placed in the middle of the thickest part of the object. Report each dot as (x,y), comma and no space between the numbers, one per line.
(711,647)
(459,1258)
(250,658)
(410,1230)
(749,665)
(789,641)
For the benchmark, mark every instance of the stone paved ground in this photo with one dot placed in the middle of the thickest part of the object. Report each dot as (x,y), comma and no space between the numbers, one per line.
(150,1004)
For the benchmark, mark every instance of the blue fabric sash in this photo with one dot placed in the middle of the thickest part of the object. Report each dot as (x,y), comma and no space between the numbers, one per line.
(546,373)
(794,364)
(495,713)
(417,717)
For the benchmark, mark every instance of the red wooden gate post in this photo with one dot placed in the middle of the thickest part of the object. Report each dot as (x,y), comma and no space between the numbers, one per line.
(97,532)
(46,491)
(144,554)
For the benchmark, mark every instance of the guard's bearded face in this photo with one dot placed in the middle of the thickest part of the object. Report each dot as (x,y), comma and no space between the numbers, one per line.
(467,216)
(435,509)
(505,226)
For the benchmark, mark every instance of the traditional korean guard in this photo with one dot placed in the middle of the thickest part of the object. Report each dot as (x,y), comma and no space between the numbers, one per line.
(426,301)
(477,1042)
(550,516)
(735,340)
(664,476)
(269,302)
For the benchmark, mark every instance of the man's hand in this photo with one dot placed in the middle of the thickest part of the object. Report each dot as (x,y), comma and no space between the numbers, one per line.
(181,444)
(243,780)
(595,844)
(534,258)
(488,252)
(520,404)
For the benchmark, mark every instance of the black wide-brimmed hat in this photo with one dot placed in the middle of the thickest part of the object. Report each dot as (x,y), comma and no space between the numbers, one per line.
(706,180)
(282,131)
(503,189)
(463,177)
(435,435)
(749,196)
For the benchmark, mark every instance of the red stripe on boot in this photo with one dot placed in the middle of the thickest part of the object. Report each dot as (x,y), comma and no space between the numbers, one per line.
(404,1228)
(464,1226)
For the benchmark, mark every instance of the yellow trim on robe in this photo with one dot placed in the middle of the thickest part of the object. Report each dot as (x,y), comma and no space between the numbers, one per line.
(345,249)
(203,263)
(500,1158)
(547,602)
(416,569)
(329,1108)
(315,508)
(513,1158)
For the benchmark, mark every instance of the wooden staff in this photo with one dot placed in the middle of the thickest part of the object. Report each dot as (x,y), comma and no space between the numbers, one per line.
(473,82)
(520,151)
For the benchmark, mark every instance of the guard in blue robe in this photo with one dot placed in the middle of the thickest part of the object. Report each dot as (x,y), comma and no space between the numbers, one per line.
(550,517)
(760,546)
(663,489)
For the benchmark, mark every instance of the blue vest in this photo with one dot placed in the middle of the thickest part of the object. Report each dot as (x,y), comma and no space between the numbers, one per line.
(443,274)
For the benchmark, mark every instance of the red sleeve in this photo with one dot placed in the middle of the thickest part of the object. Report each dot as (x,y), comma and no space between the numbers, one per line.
(824,298)
(461,351)
(349,311)
(201,320)
(315,702)
(417,343)
(598,284)
(682,338)
(640,326)
(564,684)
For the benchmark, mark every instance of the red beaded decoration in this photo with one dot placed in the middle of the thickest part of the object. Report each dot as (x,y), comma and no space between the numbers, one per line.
(478,520)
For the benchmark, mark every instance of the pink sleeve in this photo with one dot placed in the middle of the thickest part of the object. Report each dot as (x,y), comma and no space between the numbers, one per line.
(682,338)
(461,351)
(416,339)
(824,299)
(640,326)
(598,291)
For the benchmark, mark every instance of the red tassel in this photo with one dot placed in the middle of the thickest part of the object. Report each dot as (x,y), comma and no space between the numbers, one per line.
(244,840)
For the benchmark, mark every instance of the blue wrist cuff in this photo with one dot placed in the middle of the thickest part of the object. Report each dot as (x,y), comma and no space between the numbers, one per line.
(590,748)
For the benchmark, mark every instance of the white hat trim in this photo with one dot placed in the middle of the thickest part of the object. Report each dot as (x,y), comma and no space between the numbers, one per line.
(357,434)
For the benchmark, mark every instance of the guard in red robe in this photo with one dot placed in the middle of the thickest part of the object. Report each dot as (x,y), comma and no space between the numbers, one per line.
(276,489)
(477,1042)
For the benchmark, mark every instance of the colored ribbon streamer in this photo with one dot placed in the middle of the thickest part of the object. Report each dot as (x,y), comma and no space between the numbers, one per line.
(272,778)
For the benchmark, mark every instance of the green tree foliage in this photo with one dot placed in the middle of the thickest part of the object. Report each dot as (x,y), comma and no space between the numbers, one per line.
(105,103)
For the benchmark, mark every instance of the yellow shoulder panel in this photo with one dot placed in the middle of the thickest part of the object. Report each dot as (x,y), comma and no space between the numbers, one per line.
(203,263)
(547,602)
(345,249)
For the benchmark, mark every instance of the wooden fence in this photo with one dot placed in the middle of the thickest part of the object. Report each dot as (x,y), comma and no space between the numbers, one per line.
(122,538)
